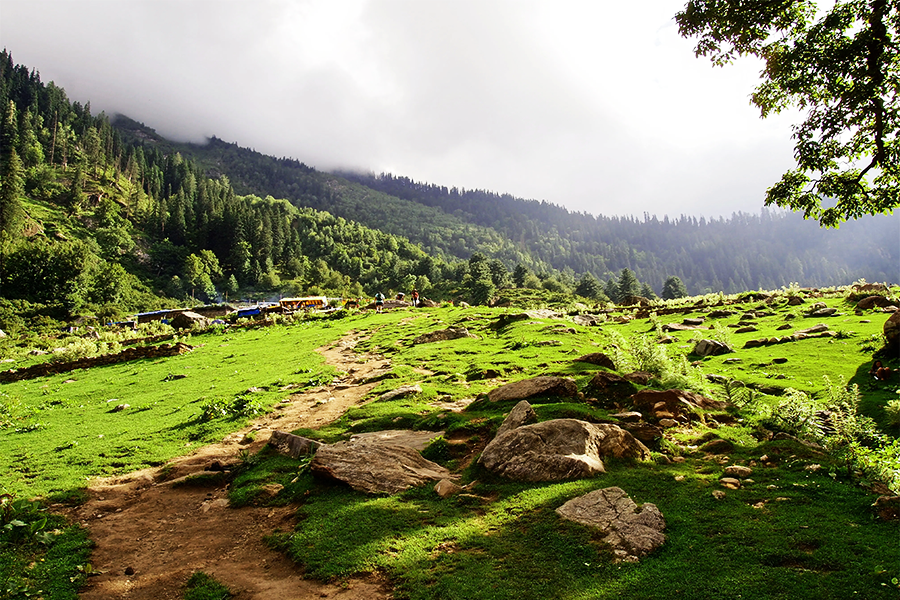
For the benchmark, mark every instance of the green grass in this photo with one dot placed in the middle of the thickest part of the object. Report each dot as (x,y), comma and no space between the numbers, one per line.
(62,430)
(201,586)
(795,532)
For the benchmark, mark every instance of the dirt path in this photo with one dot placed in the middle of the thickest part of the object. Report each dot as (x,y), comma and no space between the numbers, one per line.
(151,535)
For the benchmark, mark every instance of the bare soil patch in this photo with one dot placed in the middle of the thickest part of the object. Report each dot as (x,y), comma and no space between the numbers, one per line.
(151,535)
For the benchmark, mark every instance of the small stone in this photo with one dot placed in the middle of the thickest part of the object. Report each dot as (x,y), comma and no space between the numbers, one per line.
(129,571)
(668,423)
(446,488)
(718,494)
(731,483)
(679,478)
(738,471)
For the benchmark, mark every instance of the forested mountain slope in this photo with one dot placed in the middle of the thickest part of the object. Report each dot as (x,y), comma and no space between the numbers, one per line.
(763,251)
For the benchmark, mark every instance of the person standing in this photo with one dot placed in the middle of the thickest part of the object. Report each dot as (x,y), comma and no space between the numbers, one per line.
(379,302)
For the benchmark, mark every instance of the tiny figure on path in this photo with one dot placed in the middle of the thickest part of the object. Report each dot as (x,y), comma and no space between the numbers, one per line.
(379,302)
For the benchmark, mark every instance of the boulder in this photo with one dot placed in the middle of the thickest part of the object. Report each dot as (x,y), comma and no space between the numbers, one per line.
(639,377)
(822,312)
(821,327)
(610,388)
(403,390)
(559,449)
(188,319)
(536,386)
(417,440)
(632,300)
(588,320)
(599,359)
(887,508)
(632,531)
(292,445)
(711,348)
(451,333)
(892,334)
(674,402)
(375,467)
(521,414)
(795,301)
(871,302)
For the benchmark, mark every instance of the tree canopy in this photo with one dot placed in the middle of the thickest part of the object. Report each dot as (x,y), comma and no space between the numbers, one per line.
(838,63)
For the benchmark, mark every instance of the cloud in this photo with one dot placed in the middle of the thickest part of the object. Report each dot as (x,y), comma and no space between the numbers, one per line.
(600,107)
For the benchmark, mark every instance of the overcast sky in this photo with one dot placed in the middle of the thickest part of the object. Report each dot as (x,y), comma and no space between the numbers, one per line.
(596,105)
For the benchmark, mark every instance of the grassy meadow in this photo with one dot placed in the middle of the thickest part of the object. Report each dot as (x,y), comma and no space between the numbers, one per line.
(803,528)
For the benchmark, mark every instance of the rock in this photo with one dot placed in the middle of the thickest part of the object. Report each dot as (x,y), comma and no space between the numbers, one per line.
(451,333)
(873,302)
(795,301)
(679,327)
(892,334)
(189,319)
(693,322)
(521,414)
(632,300)
(887,508)
(645,432)
(720,314)
(599,359)
(632,531)
(292,445)
(719,494)
(272,489)
(717,446)
(537,386)
(783,327)
(639,377)
(120,407)
(588,320)
(739,471)
(417,440)
(446,488)
(711,348)
(403,390)
(730,483)
(374,467)
(668,423)
(822,312)
(674,402)
(747,329)
(610,388)
(821,327)
(754,343)
(630,416)
(558,449)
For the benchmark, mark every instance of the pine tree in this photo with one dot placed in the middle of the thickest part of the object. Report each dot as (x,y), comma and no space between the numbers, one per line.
(673,288)
(12,187)
(628,285)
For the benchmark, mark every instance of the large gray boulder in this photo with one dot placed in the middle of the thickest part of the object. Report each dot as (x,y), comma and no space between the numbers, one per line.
(559,449)
(376,467)
(536,386)
(631,531)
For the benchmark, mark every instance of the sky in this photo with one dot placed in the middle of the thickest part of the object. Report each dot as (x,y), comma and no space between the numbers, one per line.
(596,105)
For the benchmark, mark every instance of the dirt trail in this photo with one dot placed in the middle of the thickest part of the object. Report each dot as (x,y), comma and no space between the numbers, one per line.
(150,535)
